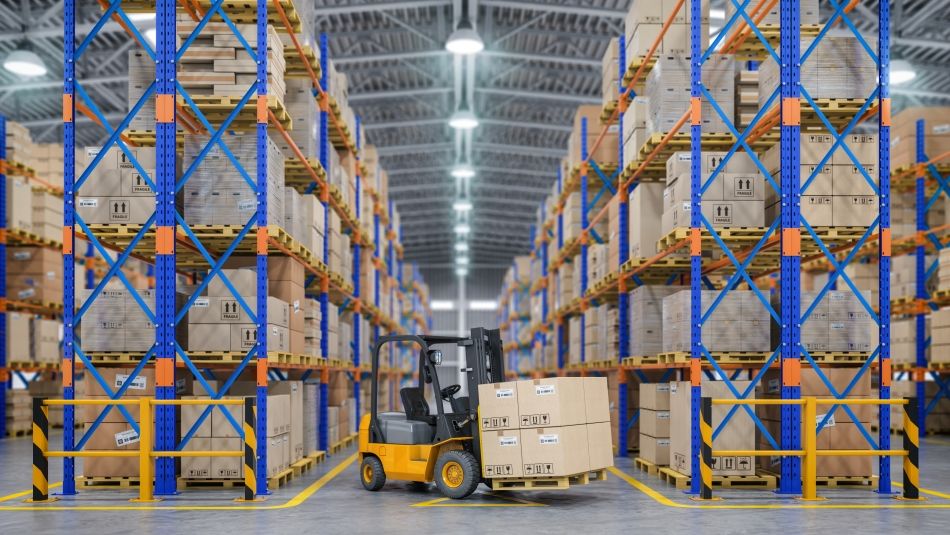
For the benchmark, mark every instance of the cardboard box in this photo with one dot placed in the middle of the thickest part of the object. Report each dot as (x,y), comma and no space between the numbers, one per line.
(655,396)
(294,389)
(555,451)
(654,423)
(596,400)
(551,402)
(18,339)
(227,467)
(501,453)
(142,385)
(738,434)
(498,405)
(655,450)
(190,415)
(197,467)
(599,446)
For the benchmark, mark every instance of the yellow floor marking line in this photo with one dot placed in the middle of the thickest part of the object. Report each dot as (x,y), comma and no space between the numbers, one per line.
(936,493)
(25,493)
(293,502)
(663,500)
(449,502)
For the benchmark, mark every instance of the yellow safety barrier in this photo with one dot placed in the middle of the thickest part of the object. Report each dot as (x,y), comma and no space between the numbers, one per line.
(810,452)
(145,453)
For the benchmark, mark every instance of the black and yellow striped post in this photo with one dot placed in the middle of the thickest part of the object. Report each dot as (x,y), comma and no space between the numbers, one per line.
(705,459)
(911,445)
(40,448)
(250,448)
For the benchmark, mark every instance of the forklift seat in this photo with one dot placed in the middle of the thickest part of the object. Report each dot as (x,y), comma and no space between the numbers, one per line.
(397,429)
(417,408)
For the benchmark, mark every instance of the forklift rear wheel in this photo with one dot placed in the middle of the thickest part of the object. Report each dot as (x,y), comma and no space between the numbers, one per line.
(457,474)
(372,474)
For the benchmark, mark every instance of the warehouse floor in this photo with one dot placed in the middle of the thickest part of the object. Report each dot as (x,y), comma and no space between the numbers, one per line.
(610,506)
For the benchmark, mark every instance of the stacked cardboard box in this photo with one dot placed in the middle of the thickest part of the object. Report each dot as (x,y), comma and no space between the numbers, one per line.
(46,159)
(19,204)
(736,198)
(940,336)
(655,423)
(610,72)
(635,129)
(668,90)
(737,434)
(839,322)
(938,417)
(18,347)
(115,321)
(574,339)
(645,212)
(544,427)
(312,331)
(52,389)
(747,97)
(341,420)
(943,269)
(311,397)
(904,340)
(739,323)
(217,192)
(808,13)
(839,194)
(217,63)
(571,215)
(597,263)
(565,285)
(646,319)
(601,335)
(606,151)
(218,322)
(838,68)
(141,77)
(116,191)
(840,430)
(904,213)
(904,134)
(217,432)
(35,274)
(303,220)
(19,412)
(644,22)
(47,216)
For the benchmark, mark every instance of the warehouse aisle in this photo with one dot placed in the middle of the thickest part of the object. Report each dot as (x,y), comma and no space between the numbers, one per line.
(334,486)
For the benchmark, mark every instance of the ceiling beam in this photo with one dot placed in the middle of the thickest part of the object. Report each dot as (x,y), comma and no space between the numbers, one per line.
(522,93)
(50,84)
(403,93)
(554,8)
(371,7)
(482,168)
(540,152)
(410,123)
(921,93)
(545,58)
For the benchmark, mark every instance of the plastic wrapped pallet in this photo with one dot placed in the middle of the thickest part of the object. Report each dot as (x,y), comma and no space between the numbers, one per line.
(739,322)
(904,134)
(738,434)
(645,20)
(668,90)
(646,318)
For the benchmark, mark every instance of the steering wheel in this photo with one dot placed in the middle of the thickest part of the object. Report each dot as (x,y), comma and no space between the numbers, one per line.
(449,391)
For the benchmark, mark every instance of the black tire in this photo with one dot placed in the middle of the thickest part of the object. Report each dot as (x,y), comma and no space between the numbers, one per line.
(457,474)
(371,473)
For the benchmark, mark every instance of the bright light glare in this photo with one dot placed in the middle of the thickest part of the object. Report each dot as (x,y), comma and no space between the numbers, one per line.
(461,247)
(463,120)
(902,72)
(464,41)
(151,36)
(139,17)
(483,305)
(461,272)
(462,228)
(462,205)
(438,304)
(717,14)
(25,63)
(463,170)
(462,260)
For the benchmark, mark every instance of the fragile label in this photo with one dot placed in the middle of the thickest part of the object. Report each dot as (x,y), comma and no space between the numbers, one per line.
(508,441)
(535,419)
(139,185)
(87,203)
(544,390)
(546,440)
(138,383)
(124,438)
(496,470)
(505,393)
(229,309)
(537,469)
(497,422)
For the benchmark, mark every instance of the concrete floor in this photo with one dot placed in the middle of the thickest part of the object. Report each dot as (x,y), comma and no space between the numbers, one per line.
(330,499)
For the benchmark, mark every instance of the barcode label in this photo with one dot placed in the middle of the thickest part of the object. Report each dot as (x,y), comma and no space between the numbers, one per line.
(546,440)
(124,438)
(505,393)
(138,383)
(544,390)
(507,441)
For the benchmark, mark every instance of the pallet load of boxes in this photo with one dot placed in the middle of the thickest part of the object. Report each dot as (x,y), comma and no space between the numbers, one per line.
(840,194)
(216,314)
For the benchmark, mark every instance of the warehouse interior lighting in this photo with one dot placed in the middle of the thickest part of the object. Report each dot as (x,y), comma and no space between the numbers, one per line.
(461,271)
(461,260)
(463,170)
(465,40)
(141,17)
(483,305)
(461,247)
(151,35)
(462,228)
(25,62)
(463,118)
(440,304)
(462,205)
(902,72)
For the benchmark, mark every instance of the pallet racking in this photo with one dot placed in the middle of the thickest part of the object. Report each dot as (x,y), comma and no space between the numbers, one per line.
(175,247)
(748,255)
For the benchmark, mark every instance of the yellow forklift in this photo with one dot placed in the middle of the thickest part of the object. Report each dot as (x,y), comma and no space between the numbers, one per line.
(426,443)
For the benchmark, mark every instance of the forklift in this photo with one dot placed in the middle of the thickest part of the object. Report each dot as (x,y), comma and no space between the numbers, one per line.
(420,446)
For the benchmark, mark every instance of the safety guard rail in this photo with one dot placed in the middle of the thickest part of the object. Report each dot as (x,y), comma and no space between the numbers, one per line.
(146,452)
(810,452)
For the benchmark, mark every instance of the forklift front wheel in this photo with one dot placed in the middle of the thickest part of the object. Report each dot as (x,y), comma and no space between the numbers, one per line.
(457,474)
(372,474)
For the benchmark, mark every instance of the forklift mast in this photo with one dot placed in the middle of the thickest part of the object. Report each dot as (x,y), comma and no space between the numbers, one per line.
(485,364)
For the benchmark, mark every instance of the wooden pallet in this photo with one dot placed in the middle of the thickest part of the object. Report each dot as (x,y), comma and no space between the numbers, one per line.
(106,482)
(274,358)
(346,442)
(217,108)
(753,48)
(634,63)
(721,357)
(749,236)
(548,483)
(17,236)
(837,482)
(760,480)
(19,432)
(239,11)
(297,174)
(635,362)
(220,483)
(296,66)
(646,466)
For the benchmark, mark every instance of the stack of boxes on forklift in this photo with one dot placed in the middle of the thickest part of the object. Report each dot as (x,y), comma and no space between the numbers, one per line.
(552,427)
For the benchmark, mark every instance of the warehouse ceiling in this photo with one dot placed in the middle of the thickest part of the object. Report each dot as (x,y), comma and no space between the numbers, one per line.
(542,59)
